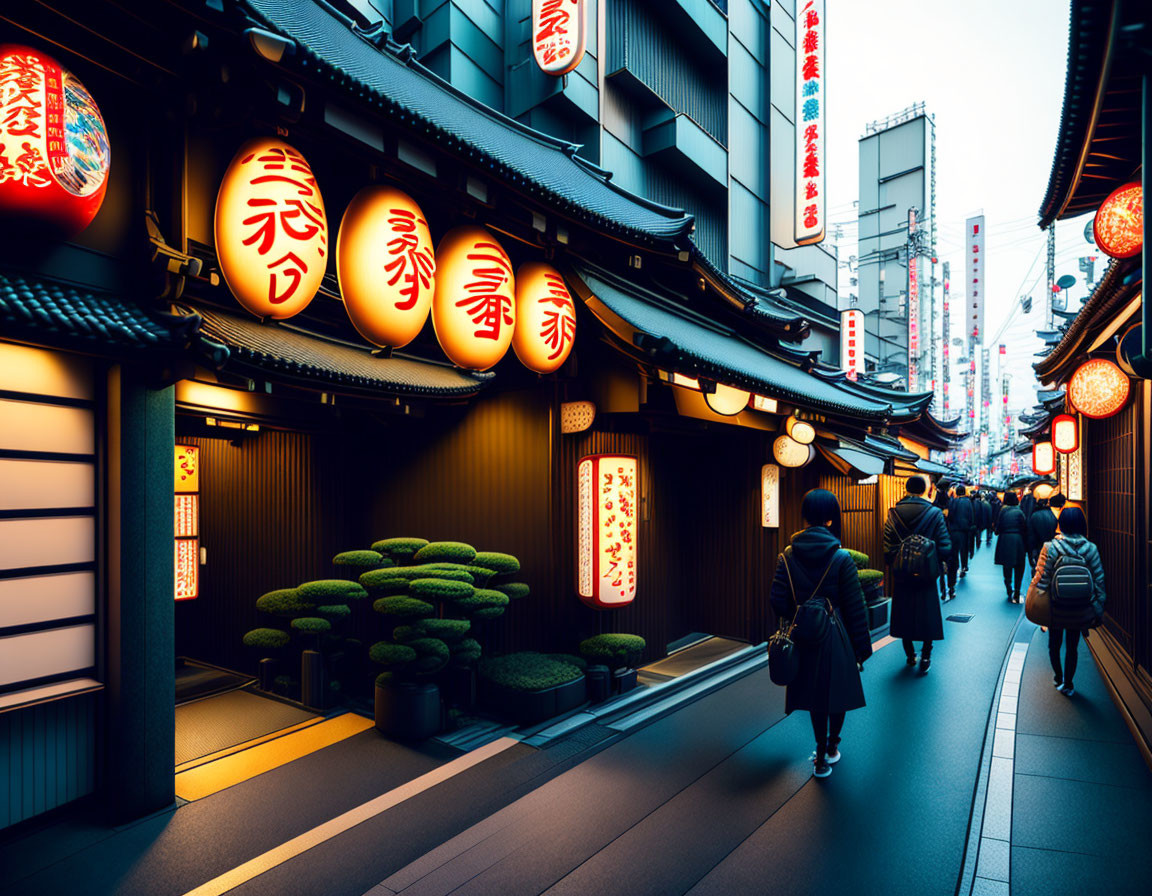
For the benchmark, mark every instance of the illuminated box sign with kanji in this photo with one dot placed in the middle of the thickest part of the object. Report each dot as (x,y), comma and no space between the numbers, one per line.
(187,532)
(810,101)
(608,495)
(770,496)
(271,230)
(974,266)
(852,342)
(559,35)
(913,309)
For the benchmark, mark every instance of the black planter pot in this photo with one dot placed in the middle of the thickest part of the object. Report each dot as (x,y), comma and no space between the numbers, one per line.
(530,707)
(878,613)
(460,687)
(599,683)
(624,680)
(408,711)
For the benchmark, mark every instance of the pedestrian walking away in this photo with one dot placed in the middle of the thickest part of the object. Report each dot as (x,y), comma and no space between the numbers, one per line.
(960,521)
(1069,585)
(940,502)
(1042,526)
(916,537)
(983,520)
(1011,535)
(816,580)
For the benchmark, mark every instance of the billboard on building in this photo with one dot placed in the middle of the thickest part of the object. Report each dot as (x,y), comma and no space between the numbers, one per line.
(974,253)
(852,342)
(810,100)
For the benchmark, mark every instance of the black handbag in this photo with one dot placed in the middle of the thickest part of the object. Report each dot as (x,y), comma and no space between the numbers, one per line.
(783,660)
(783,655)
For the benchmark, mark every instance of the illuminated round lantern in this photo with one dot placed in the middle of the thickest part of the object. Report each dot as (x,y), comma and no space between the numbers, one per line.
(790,453)
(727,400)
(1065,434)
(608,500)
(473,309)
(559,35)
(800,430)
(1098,388)
(1043,458)
(1042,491)
(545,318)
(1119,225)
(386,266)
(271,230)
(54,152)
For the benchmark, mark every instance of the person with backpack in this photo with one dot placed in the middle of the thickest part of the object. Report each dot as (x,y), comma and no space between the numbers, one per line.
(960,523)
(916,538)
(817,590)
(1042,526)
(1011,538)
(940,502)
(983,519)
(1070,576)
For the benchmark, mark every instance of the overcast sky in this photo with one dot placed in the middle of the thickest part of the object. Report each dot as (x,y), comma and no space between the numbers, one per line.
(992,73)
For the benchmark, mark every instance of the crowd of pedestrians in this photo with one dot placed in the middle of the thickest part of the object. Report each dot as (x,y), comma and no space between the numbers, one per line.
(929,540)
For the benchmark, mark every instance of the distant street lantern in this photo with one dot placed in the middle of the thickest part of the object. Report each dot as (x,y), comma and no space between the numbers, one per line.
(271,230)
(386,266)
(1119,223)
(790,453)
(800,430)
(1043,459)
(607,497)
(1098,388)
(727,400)
(1065,433)
(474,307)
(559,35)
(545,318)
(54,152)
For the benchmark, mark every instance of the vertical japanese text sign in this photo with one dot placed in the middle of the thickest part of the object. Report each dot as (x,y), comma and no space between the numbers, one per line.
(559,35)
(187,522)
(974,253)
(810,101)
(946,337)
(608,495)
(852,341)
(770,496)
(913,305)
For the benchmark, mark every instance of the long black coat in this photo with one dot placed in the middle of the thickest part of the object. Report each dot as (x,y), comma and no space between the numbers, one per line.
(1041,530)
(916,609)
(1011,532)
(983,514)
(827,680)
(961,514)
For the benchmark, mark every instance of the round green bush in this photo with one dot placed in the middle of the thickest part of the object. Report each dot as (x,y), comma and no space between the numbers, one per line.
(869,577)
(286,602)
(431,655)
(465,651)
(384,678)
(483,603)
(388,654)
(384,581)
(331,591)
(399,548)
(480,574)
(267,638)
(569,659)
(335,611)
(500,563)
(403,607)
(361,559)
(395,579)
(404,633)
(514,590)
(448,630)
(446,551)
(860,559)
(439,589)
(611,649)
(527,671)
(312,625)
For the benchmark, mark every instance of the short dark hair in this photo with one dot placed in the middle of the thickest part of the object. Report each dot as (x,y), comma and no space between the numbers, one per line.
(1011,499)
(1073,522)
(916,485)
(1057,500)
(819,506)
(960,491)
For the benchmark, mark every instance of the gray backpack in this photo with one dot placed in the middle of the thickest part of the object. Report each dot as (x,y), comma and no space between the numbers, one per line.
(1071,590)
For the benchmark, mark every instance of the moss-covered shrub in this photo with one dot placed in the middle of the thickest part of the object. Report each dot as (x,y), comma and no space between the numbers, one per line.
(331,591)
(312,625)
(568,658)
(267,638)
(388,654)
(362,560)
(402,634)
(465,651)
(527,671)
(870,577)
(483,603)
(499,563)
(480,574)
(335,611)
(431,655)
(860,559)
(285,602)
(514,590)
(439,589)
(612,649)
(445,629)
(446,552)
(403,607)
(380,582)
(394,580)
(399,549)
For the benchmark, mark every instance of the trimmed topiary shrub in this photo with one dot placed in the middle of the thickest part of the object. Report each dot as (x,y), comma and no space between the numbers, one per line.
(480,574)
(267,638)
(403,607)
(613,650)
(484,603)
(446,552)
(514,590)
(465,651)
(362,560)
(383,581)
(331,591)
(870,577)
(395,579)
(402,634)
(399,549)
(431,655)
(527,671)
(335,611)
(497,562)
(440,589)
(388,654)
(312,625)
(445,629)
(859,558)
(285,602)
(568,658)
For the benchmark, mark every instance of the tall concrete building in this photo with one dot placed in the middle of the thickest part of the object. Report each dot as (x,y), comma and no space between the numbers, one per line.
(897,220)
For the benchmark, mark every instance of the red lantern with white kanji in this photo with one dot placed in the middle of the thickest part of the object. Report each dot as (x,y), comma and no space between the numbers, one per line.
(1098,388)
(608,497)
(54,152)
(386,266)
(1065,433)
(474,306)
(545,318)
(271,229)
(1043,459)
(559,35)
(1119,225)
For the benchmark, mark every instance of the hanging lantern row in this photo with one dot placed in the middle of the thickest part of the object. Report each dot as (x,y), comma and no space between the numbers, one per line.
(1119,224)
(272,241)
(1043,459)
(727,400)
(1065,433)
(1098,389)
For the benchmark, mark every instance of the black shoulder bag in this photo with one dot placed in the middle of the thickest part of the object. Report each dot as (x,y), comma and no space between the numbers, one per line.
(807,628)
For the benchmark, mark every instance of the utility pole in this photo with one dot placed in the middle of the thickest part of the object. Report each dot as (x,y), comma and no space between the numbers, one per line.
(1051,276)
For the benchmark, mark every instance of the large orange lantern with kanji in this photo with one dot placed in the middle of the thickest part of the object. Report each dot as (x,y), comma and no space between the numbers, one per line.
(54,152)
(1119,225)
(1043,458)
(545,318)
(608,497)
(386,265)
(559,35)
(271,229)
(474,307)
(1098,388)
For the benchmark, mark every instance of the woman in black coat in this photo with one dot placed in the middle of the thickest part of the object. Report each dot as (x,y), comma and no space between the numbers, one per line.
(828,681)
(1011,537)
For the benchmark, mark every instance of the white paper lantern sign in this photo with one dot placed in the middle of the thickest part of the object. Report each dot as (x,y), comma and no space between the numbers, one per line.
(790,453)
(545,318)
(474,308)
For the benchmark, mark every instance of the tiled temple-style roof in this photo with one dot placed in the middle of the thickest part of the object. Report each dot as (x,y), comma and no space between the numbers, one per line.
(71,316)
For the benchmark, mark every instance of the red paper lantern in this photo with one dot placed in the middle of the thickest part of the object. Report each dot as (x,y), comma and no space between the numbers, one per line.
(1065,433)
(473,308)
(608,498)
(545,318)
(1119,225)
(54,153)
(1098,388)
(1043,459)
